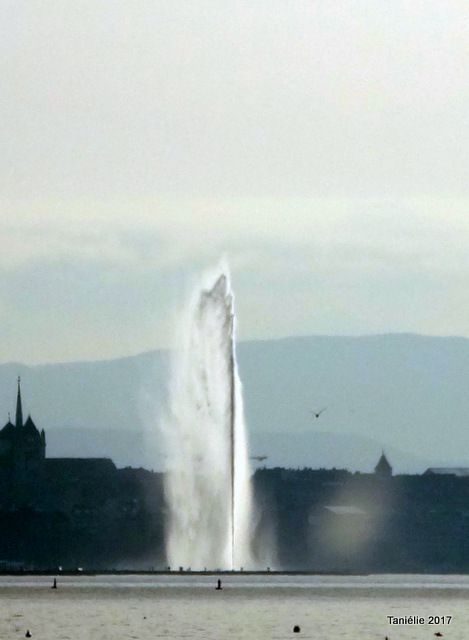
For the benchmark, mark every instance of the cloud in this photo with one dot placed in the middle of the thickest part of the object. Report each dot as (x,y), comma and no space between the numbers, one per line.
(100,279)
(270,99)
(317,145)
(358,233)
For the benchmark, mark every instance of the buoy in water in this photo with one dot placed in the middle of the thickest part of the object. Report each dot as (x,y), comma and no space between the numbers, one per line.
(296,629)
(54,586)
(218,587)
(28,634)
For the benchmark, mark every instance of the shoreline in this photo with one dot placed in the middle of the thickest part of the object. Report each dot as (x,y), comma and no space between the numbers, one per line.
(139,572)
(185,573)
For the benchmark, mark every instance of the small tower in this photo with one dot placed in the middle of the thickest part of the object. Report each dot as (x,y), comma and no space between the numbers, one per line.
(383,469)
(43,443)
(19,408)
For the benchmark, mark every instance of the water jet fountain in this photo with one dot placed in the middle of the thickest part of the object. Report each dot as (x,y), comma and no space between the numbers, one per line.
(207,484)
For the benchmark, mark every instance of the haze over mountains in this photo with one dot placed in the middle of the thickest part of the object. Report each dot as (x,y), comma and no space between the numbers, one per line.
(405,393)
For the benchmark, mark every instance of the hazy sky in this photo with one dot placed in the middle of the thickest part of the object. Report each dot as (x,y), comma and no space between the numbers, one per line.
(322,146)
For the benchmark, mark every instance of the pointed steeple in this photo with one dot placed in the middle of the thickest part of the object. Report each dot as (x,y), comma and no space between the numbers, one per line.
(383,468)
(19,409)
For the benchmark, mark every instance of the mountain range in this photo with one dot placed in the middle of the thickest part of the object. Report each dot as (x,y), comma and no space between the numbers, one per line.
(405,394)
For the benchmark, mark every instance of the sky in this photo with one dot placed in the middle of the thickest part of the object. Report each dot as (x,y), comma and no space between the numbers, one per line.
(320,146)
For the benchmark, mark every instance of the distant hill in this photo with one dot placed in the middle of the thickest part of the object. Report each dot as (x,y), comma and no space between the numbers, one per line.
(406,393)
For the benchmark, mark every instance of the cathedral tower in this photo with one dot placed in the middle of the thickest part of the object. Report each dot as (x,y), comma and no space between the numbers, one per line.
(19,408)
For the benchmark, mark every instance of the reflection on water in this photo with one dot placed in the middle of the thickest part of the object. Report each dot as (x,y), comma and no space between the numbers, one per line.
(257,607)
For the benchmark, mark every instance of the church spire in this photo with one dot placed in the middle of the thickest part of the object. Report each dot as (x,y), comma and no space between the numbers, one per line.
(19,409)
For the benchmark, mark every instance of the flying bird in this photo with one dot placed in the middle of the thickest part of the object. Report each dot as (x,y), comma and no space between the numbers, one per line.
(259,458)
(316,414)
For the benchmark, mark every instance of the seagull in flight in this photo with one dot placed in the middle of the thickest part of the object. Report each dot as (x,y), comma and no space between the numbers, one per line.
(316,414)
(259,458)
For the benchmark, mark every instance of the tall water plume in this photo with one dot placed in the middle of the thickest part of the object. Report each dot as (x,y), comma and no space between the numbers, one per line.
(207,484)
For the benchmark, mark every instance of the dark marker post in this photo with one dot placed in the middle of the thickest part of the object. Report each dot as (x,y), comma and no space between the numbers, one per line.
(218,587)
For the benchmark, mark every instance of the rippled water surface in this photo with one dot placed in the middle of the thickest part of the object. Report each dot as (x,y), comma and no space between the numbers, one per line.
(257,607)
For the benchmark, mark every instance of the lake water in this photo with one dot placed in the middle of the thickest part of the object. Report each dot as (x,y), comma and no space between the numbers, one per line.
(248,607)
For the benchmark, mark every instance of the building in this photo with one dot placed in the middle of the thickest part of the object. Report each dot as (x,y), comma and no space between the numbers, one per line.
(22,445)
(23,459)
(383,468)
(73,511)
(460,472)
